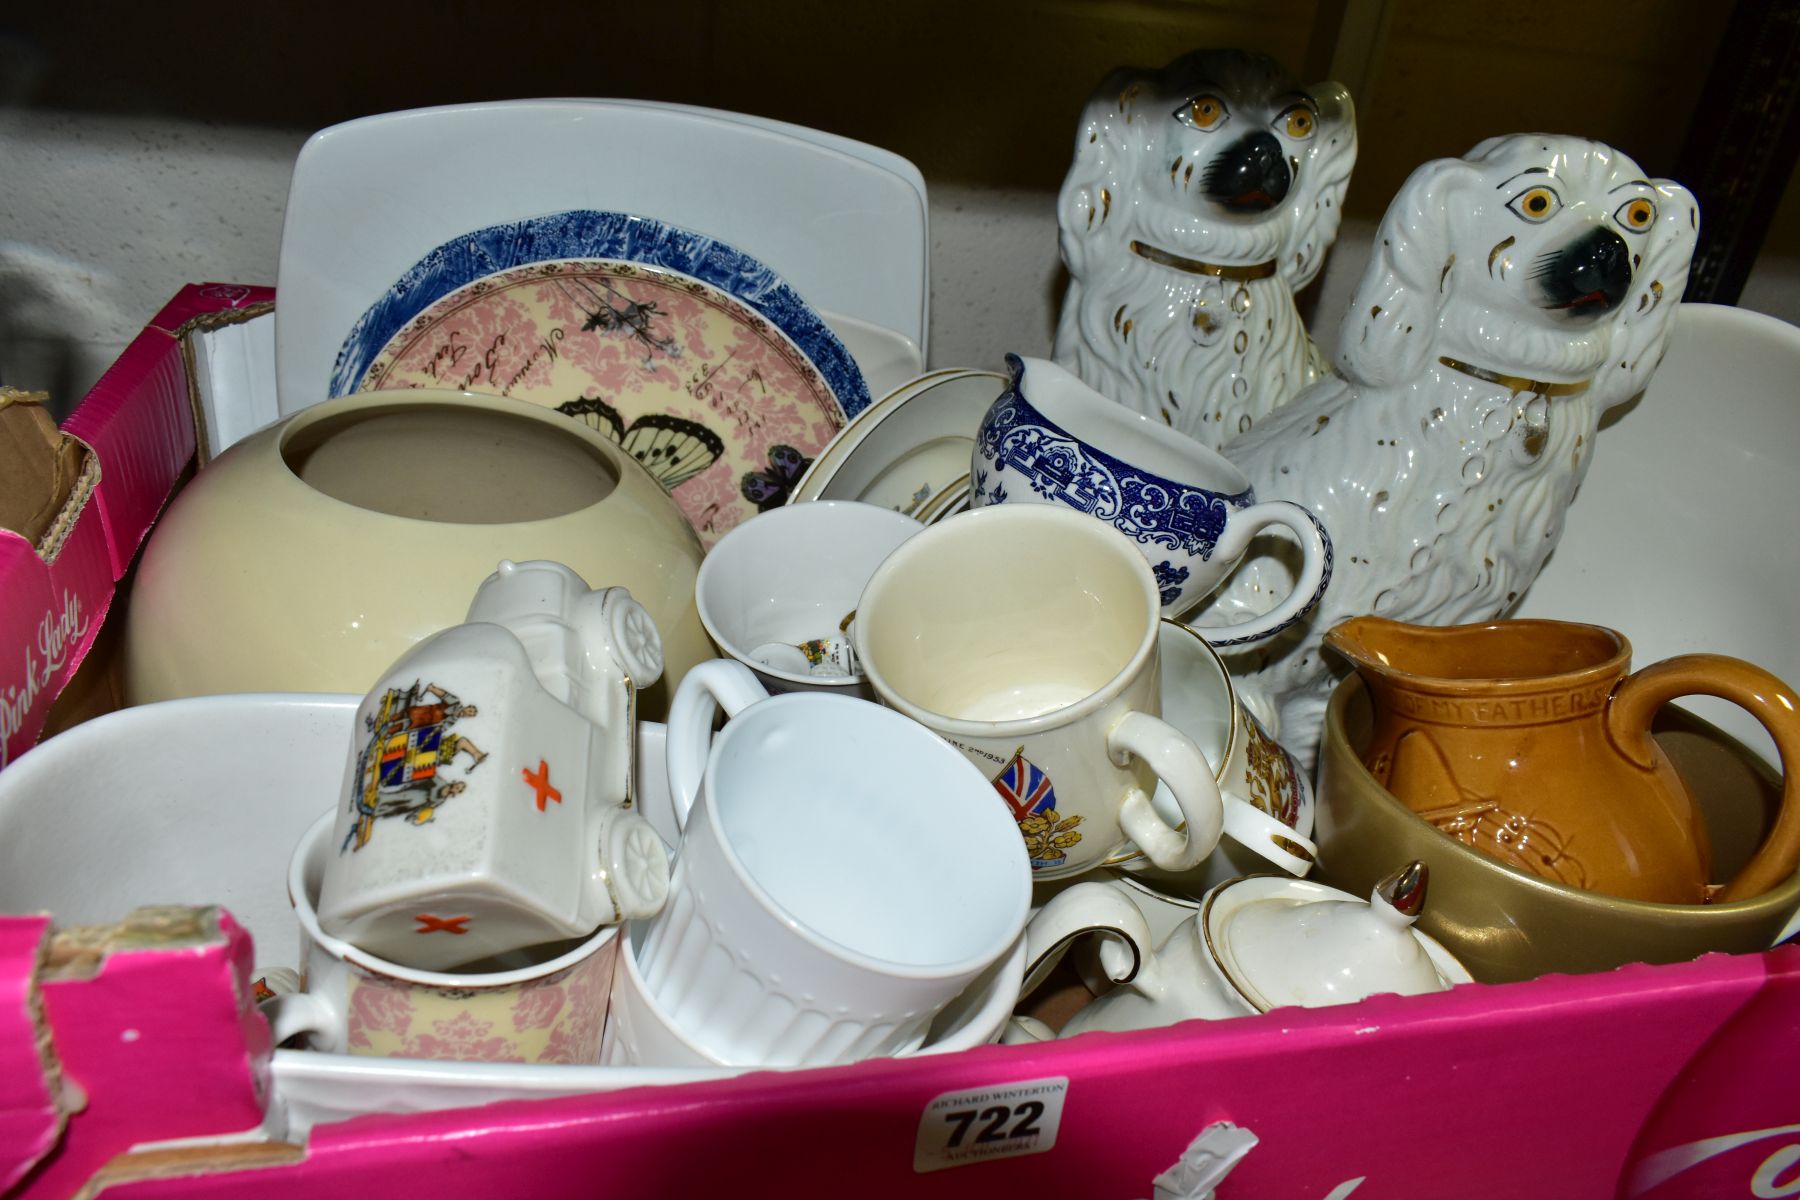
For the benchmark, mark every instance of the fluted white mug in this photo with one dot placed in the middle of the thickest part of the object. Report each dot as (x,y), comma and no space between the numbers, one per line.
(640,1034)
(843,874)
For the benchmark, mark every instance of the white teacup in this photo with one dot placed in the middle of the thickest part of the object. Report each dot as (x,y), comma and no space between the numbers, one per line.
(549,1007)
(482,804)
(1051,439)
(1026,635)
(842,876)
(778,592)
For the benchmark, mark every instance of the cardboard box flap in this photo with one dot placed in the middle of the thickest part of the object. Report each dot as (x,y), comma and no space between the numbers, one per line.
(64,545)
(138,422)
(32,1112)
(142,418)
(153,1017)
(233,370)
(40,468)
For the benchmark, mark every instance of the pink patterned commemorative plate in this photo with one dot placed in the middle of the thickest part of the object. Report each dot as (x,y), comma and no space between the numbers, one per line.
(720,382)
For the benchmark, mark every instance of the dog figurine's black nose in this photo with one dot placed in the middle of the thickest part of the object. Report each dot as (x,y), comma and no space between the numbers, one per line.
(1251,175)
(1590,276)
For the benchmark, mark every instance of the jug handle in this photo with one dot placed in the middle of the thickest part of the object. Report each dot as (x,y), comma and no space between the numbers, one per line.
(1098,908)
(1636,701)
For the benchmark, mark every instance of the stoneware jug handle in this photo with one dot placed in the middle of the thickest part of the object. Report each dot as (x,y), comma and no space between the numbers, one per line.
(1076,911)
(719,683)
(1636,701)
(1176,761)
(1308,589)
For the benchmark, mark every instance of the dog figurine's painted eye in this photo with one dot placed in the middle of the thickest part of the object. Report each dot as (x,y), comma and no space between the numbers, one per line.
(1205,111)
(1297,122)
(1636,215)
(1536,204)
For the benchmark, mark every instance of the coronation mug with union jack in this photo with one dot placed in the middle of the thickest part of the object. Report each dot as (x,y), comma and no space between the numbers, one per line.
(1026,636)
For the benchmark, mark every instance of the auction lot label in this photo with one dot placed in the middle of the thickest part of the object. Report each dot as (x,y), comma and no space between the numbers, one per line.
(981,1124)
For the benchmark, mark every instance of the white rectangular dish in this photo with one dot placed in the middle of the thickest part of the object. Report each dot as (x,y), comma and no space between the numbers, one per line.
(845,224)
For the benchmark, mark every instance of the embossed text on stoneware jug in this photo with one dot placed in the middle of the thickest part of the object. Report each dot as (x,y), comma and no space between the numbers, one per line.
(1529,740)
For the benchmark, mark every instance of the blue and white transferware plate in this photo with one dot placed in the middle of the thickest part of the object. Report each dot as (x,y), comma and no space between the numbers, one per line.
(698,359)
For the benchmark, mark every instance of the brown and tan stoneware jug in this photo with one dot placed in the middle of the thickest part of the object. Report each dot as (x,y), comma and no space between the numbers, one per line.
(1530,741)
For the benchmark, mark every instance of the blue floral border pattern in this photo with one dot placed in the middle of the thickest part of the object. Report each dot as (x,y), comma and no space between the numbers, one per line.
(1146,509)
(587,234)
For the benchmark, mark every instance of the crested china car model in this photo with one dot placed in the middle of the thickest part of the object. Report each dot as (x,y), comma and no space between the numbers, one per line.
(486,803)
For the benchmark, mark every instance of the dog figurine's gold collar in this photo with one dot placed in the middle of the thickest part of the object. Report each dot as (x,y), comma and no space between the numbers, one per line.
(1194,266)
(1517,384)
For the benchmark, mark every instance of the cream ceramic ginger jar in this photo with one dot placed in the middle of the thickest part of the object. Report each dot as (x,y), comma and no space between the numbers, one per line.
(311,555)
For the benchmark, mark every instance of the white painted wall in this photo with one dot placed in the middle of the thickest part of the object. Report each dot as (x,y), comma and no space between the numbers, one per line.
(103,218)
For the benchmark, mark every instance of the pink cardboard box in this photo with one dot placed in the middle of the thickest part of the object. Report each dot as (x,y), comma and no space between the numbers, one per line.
(138,424)
(152,1039)
(145,1077)
(32,1117)
(1650,1082)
